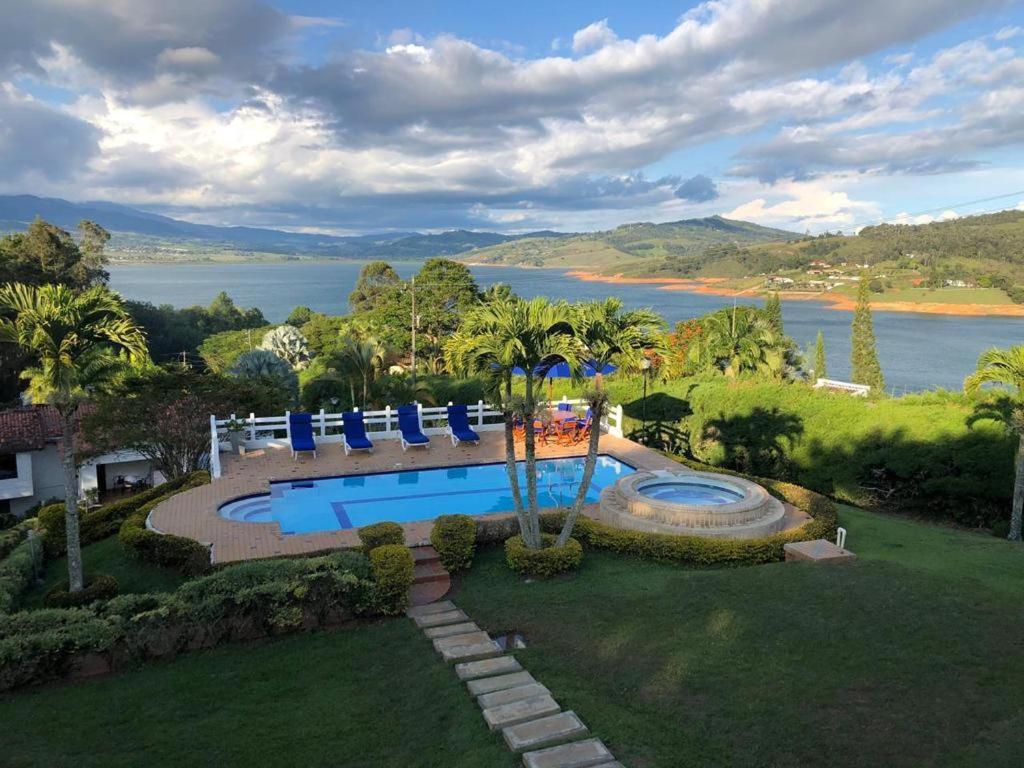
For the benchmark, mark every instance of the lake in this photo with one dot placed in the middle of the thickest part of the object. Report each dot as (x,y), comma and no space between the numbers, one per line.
(917,351)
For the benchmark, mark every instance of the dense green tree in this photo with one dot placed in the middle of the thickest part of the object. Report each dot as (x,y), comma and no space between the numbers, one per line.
(78,340)
(444,290)
(773,313)
(327,334)
(221,350)
(299,316)
(377,281)
(863,354)
(820,368)
(164,414)
(263,366)
(1005,368)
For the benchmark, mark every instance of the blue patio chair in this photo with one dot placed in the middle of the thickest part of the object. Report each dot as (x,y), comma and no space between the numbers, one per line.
(565,406)
(353,433)
(300,432)
(409,426)
(458,426)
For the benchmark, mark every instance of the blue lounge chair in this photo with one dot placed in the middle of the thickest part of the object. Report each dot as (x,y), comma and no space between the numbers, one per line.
(458,426)
(353,433)
(300,432)
(409,426)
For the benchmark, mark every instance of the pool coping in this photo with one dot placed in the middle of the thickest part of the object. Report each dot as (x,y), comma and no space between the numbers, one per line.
(194,513)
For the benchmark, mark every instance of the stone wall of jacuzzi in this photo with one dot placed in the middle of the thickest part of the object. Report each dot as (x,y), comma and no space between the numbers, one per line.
(755,513)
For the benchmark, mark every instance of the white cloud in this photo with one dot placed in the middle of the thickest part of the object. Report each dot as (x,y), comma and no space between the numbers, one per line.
(806,205)
(593,36)
(1006,33)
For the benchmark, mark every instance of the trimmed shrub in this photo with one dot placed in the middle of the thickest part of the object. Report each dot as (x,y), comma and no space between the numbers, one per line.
(12,537)
(380,534)
(547,561)
(392,566)
(454,538)
(17,571)
(102,522)
(99,586)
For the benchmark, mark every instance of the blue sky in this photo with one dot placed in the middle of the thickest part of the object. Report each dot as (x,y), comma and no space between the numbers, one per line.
(357,117)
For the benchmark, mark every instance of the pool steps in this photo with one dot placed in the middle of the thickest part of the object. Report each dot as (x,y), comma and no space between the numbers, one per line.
(511,701)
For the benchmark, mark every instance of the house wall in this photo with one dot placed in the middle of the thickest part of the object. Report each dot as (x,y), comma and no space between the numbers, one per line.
(47,480)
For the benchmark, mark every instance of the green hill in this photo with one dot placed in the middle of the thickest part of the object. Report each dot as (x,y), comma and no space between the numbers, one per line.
(630,247)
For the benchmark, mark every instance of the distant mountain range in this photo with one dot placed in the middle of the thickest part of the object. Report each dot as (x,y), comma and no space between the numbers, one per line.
(150,235)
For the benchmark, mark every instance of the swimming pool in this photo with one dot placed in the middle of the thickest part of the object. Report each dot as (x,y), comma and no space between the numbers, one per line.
(336,503)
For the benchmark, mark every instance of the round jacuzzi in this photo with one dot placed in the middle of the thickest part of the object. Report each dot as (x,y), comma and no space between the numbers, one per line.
(692,503)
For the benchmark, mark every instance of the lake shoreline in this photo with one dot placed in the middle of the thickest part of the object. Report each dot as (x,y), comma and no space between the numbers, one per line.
(708,286)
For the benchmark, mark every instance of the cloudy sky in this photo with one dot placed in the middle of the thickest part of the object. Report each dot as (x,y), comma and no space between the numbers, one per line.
(357,117)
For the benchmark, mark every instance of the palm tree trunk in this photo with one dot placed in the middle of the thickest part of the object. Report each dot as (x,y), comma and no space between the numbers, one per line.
(532,515)
(1018,493)
(589,465)
(75,576)
(511,468)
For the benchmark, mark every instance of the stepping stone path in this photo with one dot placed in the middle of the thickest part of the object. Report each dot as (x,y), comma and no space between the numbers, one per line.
(511,700)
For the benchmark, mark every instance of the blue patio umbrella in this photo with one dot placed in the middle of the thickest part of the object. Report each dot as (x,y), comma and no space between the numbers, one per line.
(560,370)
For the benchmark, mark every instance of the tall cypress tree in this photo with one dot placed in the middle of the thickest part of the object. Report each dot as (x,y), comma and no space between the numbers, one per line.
(863,355)
(820,371)
(773,312)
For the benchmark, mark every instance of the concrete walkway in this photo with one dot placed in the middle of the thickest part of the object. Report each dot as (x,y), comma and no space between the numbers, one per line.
(511,701)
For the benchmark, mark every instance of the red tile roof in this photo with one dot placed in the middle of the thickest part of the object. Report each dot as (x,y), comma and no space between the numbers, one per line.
(22,429)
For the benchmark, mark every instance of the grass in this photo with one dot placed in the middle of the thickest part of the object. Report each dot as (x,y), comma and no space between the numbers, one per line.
(107,556)
(370,696)
(909,657)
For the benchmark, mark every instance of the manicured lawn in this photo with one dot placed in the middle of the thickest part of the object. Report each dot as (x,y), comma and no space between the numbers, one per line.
(374,696)
(910,657)
(108,557)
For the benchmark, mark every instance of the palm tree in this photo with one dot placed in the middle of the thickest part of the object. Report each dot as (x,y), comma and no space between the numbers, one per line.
(606,334)
(1005,367)
(79,340)
(737,341)
(498,337)
(365,359)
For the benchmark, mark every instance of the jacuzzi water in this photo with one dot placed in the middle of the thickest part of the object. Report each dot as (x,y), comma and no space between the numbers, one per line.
(335,503)
(691,493)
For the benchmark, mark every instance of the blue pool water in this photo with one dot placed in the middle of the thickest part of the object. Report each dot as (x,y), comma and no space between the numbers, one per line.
(692,493)
(334,503)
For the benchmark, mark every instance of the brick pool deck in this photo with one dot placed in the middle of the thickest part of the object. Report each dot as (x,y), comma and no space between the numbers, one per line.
(194,513)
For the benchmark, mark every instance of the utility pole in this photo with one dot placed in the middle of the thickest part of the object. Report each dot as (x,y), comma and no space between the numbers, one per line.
(414,324)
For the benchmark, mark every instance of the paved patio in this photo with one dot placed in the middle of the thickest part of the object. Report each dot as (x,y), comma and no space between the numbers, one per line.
(194,513)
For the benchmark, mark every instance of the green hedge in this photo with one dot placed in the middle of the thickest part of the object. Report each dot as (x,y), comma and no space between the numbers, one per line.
(12,537)
(240,602)
(379,534)
(704,551)
(97,524)
(454,538)
(185,555)
(17,571)
(98,586)
(547,561)
(393,567)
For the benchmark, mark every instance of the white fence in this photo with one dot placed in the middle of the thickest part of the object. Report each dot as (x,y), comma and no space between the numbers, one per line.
(858,390)
(261,431)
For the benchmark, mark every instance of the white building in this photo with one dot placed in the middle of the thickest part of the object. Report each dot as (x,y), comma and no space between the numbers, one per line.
(31,471)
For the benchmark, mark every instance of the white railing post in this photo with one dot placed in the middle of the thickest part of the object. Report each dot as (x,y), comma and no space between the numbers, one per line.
(419,414)
(288,426)
(323,424)
(387,418)
(479,413)
(214,449)
(252,426)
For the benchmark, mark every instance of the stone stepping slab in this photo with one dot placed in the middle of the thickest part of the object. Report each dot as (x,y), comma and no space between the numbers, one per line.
(426,610)
(466,638)
(487,668)
(489,684)
(520,711)
(471,652)
(580,754)
(545,732)
(508,695)
(450,629)
(438,619)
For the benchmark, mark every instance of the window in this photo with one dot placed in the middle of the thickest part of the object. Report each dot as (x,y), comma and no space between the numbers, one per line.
(8,466)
